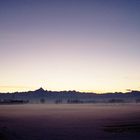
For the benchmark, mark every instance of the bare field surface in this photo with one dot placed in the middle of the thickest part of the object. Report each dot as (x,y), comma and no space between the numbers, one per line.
(70,122)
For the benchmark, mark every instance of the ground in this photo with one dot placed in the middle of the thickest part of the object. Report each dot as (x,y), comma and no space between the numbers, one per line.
(70,122)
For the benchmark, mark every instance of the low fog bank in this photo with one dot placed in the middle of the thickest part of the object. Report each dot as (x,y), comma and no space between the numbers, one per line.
(69,121)
(41,96)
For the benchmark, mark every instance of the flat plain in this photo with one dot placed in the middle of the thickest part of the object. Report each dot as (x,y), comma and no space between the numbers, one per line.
(70,122)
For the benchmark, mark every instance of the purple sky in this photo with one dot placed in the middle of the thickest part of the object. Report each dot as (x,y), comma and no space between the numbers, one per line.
(86,45)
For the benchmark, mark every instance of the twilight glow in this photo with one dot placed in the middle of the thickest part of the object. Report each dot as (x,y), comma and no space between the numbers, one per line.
(84,45)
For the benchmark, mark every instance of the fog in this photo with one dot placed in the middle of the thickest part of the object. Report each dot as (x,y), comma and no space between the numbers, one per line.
(69,121)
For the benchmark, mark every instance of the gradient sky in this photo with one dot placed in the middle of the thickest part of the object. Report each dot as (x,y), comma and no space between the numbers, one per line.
(85,45)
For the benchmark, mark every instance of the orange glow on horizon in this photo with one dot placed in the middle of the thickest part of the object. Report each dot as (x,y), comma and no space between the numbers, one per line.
(11,89)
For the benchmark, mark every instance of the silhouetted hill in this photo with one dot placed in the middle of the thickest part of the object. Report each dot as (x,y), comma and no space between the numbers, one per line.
(40,90)
(44,96)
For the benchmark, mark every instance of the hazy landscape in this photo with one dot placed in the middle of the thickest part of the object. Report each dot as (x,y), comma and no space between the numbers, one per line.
(69,69)
(69,115)
(70,122)
(41,96)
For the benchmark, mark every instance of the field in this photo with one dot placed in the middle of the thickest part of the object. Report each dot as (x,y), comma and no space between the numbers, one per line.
(70,122)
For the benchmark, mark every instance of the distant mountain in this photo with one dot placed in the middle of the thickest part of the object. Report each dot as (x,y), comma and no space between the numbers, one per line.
(44,96)
(40,90)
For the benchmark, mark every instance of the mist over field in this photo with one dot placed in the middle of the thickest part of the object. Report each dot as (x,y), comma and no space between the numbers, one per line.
(70,122)
(85,56)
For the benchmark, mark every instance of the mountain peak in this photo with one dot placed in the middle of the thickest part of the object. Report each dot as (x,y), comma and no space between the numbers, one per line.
(40,90)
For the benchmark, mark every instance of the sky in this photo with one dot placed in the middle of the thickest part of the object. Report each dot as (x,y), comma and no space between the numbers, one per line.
(84,45)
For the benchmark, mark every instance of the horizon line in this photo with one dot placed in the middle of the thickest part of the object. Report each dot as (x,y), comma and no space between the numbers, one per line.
(35,89)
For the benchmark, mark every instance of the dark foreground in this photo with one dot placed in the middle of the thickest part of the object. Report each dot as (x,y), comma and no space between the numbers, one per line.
(70,122)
